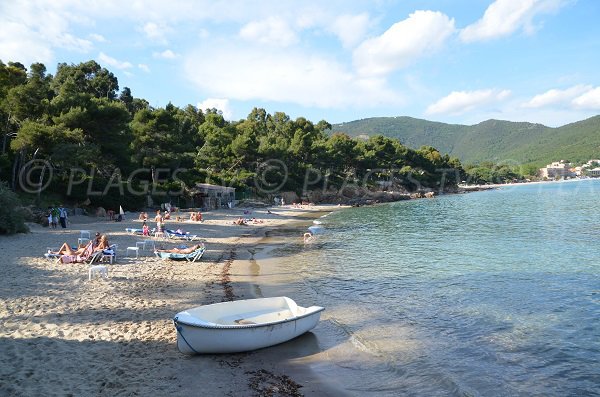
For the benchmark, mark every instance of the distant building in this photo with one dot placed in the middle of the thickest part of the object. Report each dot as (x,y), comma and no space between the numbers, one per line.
(209,196)
(590,168)
(594,172)
(558,169)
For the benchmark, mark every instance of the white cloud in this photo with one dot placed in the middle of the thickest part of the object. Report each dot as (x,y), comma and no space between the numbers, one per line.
(422,33)
(219,104)
(166,54)
(27,49)
(589,100)
(556,97)
(97,38)
(31,31)
(144,67)
(350,29)
(271,31)
(156,32)
(504,17)
(458,102)
(292,77)
(103,58)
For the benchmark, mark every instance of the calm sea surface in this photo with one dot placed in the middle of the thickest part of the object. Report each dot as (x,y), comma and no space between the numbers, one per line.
(492,293)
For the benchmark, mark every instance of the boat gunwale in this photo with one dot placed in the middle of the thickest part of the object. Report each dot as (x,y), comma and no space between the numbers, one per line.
(257,325)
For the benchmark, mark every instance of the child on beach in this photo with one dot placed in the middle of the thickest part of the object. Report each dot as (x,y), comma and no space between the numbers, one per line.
(145,229)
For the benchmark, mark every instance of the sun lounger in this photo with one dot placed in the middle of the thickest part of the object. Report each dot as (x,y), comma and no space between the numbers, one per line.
(183,236)
(110,254)
(51,255)
(138,232)
(191,257)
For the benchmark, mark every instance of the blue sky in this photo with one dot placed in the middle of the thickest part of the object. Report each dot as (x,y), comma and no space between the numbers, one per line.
(454,61)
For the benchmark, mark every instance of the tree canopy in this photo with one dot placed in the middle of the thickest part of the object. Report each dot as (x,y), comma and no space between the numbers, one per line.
(78,120)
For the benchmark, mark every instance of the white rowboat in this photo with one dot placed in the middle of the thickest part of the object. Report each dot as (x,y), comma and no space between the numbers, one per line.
(243,325)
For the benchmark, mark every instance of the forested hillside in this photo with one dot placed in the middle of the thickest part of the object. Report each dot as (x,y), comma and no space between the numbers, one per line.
(75,136)
(491,140)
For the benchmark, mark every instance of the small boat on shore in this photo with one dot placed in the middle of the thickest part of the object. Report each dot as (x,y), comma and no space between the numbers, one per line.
(243,325)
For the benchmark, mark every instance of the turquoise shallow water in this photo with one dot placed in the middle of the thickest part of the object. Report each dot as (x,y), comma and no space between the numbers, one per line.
(492,293)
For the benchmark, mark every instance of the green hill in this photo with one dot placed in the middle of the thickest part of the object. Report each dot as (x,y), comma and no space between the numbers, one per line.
(491,140)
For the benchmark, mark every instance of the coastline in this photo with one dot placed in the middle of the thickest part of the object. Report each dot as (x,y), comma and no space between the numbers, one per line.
(64,334)
(513,184)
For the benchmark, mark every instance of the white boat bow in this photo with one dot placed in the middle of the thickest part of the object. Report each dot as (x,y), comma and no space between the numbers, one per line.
(243,325)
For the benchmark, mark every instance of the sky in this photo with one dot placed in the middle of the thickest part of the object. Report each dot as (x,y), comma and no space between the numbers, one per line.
(453,61)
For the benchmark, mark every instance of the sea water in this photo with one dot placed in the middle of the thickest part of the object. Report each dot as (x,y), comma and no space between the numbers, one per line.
(493,293)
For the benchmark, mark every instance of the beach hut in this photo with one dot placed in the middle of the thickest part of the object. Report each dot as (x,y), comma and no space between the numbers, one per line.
(208,196)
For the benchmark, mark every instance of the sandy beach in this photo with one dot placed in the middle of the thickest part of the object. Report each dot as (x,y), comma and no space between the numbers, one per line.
(62,334)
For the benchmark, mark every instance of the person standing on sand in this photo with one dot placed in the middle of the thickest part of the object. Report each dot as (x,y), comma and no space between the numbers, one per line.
(159,221)
(62,213)
(54,212)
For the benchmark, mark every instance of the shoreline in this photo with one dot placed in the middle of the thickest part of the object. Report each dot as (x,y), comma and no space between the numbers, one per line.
(255,273)
(512,184)
(59,328)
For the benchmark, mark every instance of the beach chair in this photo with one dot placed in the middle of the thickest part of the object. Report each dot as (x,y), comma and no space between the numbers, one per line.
(51,255)
(109,254)
(174,234)
(138,232)
(191,257)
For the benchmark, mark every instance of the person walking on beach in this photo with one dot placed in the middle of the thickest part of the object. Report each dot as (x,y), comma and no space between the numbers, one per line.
(62,211)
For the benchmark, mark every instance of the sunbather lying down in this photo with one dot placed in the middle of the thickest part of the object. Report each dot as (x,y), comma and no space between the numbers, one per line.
(176,250)
(66,249)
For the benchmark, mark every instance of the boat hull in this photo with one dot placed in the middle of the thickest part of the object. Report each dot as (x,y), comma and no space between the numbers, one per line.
(196,335)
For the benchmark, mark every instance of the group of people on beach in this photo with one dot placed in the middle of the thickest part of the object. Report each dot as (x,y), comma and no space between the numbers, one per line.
(56,215)
(245,221)
(99,243)
(194,216)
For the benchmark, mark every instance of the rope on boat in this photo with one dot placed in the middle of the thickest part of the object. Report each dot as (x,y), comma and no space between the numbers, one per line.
(179,329)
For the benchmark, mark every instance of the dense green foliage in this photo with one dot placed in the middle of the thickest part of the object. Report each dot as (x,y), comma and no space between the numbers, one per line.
(487,172)
(502,142)
(74,134)
(11,217)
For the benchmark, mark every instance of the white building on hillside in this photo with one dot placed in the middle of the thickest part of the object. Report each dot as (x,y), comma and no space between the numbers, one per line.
(558,169)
